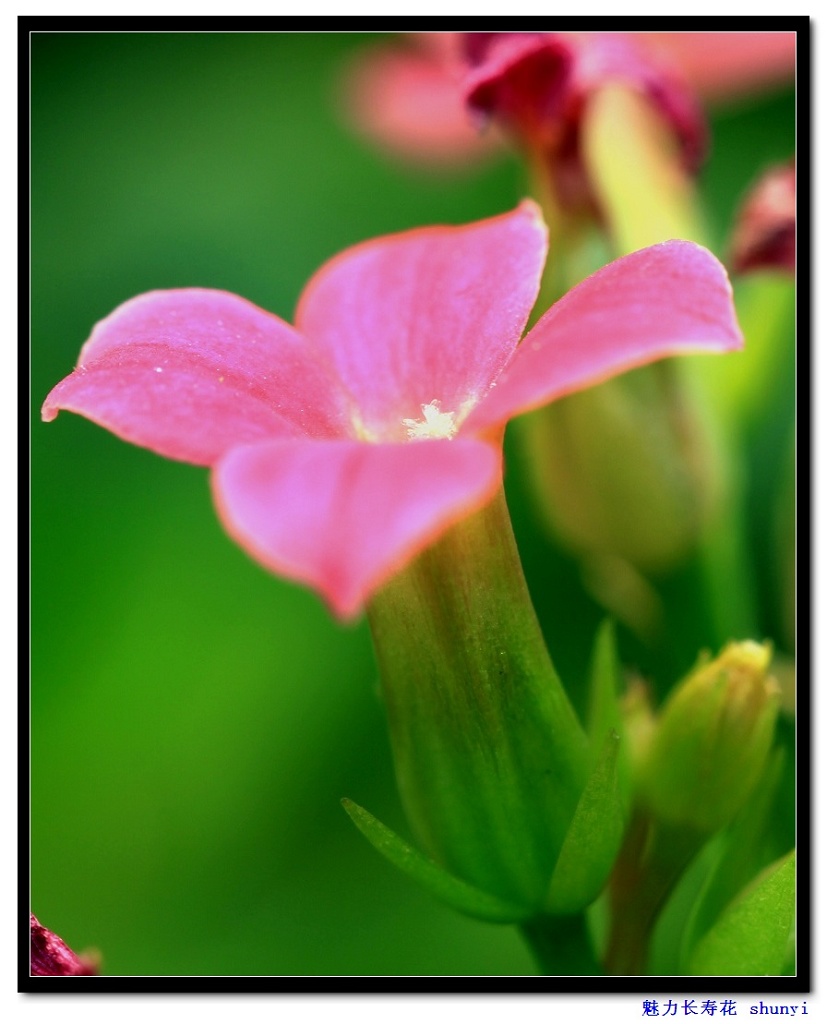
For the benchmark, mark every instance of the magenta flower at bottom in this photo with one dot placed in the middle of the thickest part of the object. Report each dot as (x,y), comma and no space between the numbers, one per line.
(51,957)
(343,446)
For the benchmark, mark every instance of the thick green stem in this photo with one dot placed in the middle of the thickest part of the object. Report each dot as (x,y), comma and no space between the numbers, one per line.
(650,863)
(490,758)
(561,945)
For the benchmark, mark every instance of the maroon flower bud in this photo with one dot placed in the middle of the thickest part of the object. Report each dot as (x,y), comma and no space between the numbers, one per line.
(764,237)
(50,956)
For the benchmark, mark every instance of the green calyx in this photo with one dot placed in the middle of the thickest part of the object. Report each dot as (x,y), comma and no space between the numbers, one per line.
(490,759)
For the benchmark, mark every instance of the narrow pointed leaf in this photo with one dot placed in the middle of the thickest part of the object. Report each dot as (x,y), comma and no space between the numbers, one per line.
(593,838)
(440,883)
(751,936)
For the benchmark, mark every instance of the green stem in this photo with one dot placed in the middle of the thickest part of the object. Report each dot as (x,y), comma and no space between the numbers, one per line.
(489,756)
(649,865)
(561,945)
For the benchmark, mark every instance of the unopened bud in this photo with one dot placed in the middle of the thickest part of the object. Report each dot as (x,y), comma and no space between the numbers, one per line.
(712,739)
(764,237)
(626,469)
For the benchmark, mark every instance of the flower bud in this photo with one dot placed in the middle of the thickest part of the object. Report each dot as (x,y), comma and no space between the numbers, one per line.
(626,470)
(711,740)
(764,237)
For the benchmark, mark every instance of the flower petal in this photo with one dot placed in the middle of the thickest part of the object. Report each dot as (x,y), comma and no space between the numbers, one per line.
(343,516)
(428,315)
(191,373)
(410,103)
(540,84)
(721,65)
(668,299)
(51,957)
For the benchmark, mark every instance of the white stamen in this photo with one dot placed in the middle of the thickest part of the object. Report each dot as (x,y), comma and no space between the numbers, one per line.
(433,424)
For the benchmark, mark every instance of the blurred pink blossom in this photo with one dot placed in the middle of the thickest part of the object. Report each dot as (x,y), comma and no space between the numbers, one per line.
(408,95)
(406,98)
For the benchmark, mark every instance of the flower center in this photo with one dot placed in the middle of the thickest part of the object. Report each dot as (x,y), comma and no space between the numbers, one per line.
(433,423)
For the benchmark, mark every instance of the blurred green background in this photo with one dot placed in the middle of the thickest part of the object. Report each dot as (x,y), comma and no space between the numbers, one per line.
(196,721)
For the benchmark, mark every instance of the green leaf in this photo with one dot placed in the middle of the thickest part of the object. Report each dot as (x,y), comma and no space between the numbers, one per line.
(741,854)
(593,838)
(751,936)
(459,895)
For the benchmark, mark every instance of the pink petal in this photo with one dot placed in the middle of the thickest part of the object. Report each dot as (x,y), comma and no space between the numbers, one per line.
(342,516)
(728,64)
(429,315)
(445,47)
(191,373)
(668,299)
(522,79)
(410,104)
(51,957)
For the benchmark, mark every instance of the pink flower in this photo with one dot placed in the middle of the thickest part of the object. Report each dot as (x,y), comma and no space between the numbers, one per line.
(764,236)
(343,446)
(409,98)
(50,956)
(537,85)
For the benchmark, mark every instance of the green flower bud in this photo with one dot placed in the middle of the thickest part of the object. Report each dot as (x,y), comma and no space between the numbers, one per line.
(711,740)
(625,470)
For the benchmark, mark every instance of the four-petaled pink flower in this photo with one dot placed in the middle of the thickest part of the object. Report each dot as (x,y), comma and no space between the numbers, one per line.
(343,446)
